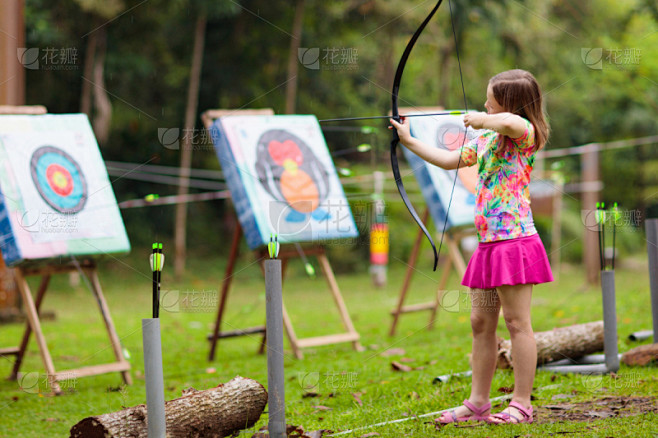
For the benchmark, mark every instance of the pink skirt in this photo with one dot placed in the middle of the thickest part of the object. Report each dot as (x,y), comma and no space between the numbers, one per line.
(508,262)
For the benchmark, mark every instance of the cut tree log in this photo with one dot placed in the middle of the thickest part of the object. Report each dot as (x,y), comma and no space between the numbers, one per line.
(560,343)
(216,412)
(642,355)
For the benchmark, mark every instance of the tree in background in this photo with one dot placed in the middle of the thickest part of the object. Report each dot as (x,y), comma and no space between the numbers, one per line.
(93,77)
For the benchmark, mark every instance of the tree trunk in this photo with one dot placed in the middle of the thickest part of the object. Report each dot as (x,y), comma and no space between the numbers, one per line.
(102,104)
(564,342)
(88,72)
(293,62)
(642,355)
(445,59)
(216,412)
(12,39)
(187,138)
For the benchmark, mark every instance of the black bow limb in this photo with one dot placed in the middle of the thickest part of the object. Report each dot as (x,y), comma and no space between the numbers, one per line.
(396,139)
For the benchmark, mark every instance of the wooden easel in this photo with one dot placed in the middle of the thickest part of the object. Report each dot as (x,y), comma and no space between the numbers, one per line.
(454,260)
(286,253)
(297,344)
(31,307)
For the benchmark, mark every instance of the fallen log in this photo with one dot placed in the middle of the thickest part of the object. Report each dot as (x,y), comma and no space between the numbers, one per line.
(560,343)
(642,355)
(216,412)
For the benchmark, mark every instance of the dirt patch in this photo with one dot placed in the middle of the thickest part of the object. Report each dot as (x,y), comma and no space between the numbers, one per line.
(607,407)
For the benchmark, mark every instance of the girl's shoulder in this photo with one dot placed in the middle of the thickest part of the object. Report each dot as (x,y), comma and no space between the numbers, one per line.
(527,140)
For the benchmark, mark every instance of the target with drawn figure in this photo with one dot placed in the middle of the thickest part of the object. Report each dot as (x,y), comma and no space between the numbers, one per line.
(56,199)
(282,179)
(291,173)
(59,179)
(449,133)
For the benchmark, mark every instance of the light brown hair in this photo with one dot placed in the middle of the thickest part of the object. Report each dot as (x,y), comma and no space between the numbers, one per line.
(518,92)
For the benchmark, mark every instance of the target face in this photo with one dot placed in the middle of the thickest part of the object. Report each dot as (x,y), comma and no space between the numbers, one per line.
(59,179)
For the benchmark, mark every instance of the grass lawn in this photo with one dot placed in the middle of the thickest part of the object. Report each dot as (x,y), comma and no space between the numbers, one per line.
(352,390)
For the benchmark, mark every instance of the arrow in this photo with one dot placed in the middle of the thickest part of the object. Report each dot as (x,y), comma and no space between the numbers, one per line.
(447,113)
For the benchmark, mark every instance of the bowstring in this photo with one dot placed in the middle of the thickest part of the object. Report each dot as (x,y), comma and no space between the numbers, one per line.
(461,78)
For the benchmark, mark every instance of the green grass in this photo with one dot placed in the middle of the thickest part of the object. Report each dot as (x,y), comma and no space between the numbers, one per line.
(77,338)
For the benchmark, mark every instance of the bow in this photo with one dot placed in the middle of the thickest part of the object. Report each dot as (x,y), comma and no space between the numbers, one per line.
(396,139)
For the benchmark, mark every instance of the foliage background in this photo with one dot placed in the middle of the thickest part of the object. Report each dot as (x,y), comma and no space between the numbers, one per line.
(148,62)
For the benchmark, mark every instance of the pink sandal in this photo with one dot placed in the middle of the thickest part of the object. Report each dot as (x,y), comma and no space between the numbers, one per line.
(478,414)
(506,417)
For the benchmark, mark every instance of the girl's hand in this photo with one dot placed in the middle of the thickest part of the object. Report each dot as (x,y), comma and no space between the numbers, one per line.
(402,128)
(475,120)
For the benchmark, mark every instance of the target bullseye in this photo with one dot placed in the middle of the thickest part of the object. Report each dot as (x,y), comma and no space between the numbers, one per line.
(58,179)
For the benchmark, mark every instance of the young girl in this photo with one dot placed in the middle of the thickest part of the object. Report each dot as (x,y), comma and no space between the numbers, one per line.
(510,257)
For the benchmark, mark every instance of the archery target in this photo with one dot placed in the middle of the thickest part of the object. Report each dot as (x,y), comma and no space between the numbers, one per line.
(56,198)
(282,179)
(59,179)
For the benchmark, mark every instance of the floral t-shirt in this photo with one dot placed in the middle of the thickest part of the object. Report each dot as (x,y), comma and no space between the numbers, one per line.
(502,209)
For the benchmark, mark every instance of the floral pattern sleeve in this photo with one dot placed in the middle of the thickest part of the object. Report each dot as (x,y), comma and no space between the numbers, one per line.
(469,152)
(527,140)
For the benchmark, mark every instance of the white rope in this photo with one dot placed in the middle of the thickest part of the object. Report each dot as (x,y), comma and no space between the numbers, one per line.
(401,420)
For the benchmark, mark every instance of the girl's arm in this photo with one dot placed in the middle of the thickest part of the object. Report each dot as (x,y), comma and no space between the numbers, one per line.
(507,124)
(439,157)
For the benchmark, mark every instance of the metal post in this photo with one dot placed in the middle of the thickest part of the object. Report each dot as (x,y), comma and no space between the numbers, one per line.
(609,320)
(652,248)
(155,402)
(275,379)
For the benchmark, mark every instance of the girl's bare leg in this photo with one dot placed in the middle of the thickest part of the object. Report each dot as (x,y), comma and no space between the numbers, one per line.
(485,307)
(516,302)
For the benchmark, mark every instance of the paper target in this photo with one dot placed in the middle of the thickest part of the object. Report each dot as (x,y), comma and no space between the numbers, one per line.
(282,179)
(58,179)
(56,199)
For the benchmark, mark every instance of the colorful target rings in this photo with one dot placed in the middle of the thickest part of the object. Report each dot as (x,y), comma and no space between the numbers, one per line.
(58,179)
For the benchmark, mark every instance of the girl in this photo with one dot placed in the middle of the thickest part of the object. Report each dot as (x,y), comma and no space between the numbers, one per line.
(510,257)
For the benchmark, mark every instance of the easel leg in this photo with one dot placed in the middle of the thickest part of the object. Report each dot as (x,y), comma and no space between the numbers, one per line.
(45,280)
(226,284)
(439,292)
(456,255)
(338,298)
(292,337)
(33,320)
(407,276)
(92,275)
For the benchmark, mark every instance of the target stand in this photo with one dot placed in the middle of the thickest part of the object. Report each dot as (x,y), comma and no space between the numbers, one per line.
(455,260)
(32,307)
(288,252)
(55,189)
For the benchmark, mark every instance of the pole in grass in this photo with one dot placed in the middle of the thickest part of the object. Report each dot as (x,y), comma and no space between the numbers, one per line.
(609,301)
(152,343)
(276,406)
(651,226)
